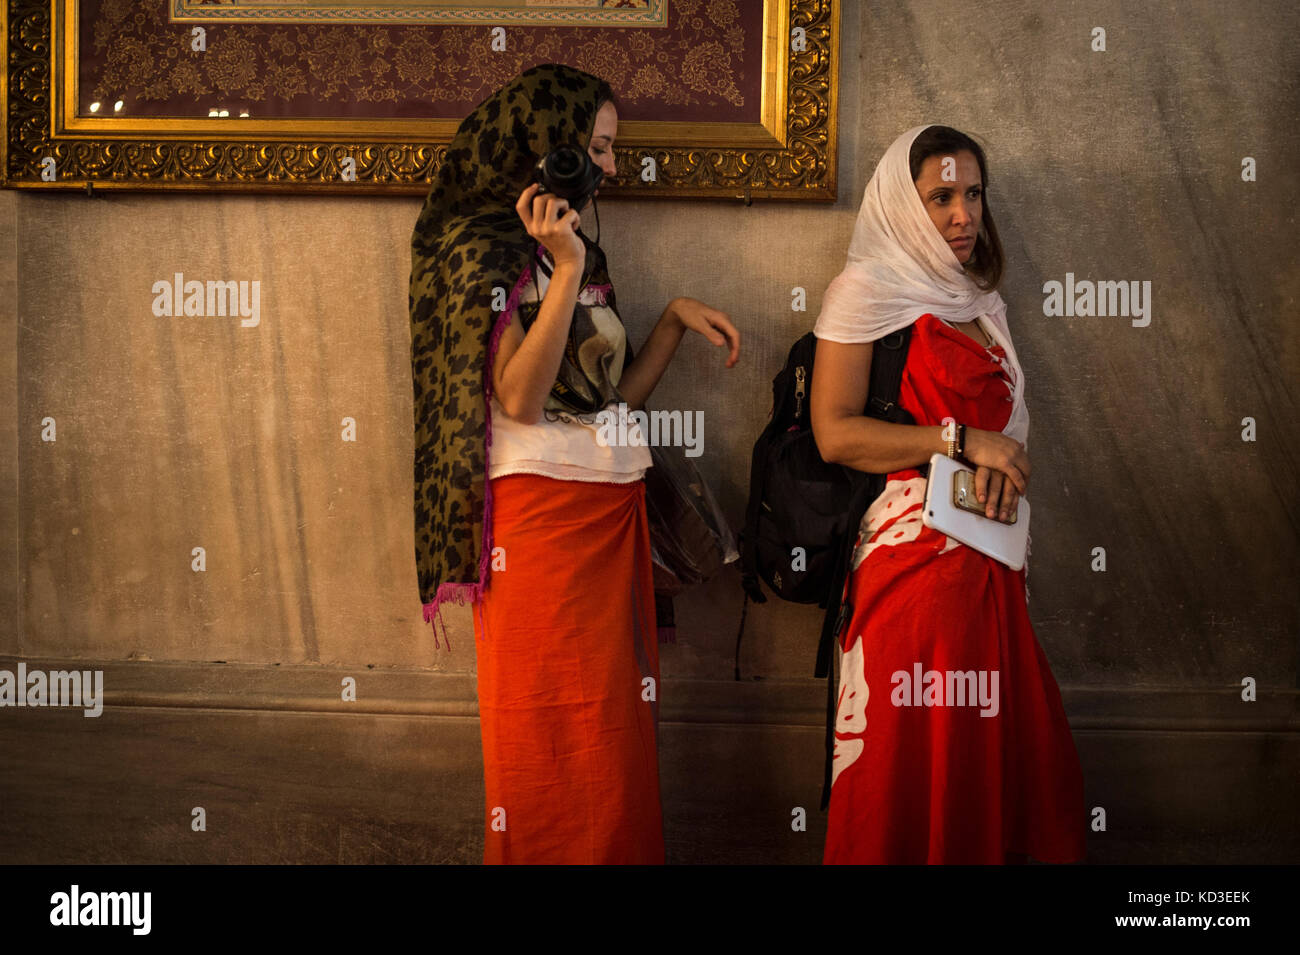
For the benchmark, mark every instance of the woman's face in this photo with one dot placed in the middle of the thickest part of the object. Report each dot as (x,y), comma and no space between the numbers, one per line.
(954,200)
(601,147)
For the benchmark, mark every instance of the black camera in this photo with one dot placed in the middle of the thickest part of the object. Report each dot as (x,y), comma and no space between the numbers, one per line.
(569,173)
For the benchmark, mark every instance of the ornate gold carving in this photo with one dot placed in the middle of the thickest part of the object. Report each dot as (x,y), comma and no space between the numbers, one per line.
(788,154)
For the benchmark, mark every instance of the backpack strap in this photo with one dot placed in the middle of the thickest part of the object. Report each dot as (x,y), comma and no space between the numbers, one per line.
(748,559)
(887,361)
(887,374)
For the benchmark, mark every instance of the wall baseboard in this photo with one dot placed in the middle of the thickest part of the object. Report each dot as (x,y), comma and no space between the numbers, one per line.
(285,772)
(317,689)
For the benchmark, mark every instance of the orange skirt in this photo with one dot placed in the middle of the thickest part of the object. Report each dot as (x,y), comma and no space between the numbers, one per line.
(568,676)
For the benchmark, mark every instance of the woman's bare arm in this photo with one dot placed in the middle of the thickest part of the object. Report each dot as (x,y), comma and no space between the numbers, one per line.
(643,372)
(844,435)
(526,364)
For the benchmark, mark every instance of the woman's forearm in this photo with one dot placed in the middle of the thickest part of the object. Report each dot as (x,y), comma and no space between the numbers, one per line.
(879,447)
(643,373)
(529,374)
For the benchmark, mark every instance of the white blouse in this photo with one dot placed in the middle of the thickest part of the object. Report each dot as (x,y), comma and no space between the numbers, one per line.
(563,445)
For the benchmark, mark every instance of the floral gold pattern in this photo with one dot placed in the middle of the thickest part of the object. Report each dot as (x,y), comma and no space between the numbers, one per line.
(345,67)
(789,153)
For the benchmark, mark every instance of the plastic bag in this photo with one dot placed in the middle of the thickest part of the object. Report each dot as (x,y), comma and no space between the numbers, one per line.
(690,539)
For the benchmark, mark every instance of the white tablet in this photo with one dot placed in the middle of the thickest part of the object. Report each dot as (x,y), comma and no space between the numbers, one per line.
(1003,542)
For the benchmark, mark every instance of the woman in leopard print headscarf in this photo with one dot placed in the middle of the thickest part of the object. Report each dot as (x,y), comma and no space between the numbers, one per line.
(567,657)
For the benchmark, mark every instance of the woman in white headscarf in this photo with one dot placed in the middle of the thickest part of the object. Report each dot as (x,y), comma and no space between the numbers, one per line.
(921,775)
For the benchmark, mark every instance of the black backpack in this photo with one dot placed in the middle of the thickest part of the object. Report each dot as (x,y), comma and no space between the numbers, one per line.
(797,500)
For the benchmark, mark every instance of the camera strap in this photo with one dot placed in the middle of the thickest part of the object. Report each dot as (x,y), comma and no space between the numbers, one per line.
(546,268)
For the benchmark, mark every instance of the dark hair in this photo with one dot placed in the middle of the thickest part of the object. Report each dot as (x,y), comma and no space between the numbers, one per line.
(604,94)
(987,260)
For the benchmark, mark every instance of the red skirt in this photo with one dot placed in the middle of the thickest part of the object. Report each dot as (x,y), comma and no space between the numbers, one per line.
(568,676)
(951,743)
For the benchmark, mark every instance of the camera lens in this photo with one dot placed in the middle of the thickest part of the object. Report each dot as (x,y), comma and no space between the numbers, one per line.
(568,172)
(566,163)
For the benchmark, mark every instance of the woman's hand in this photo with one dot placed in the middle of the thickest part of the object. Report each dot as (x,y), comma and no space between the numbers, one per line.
(1001,471)
(551,222)
(709,322)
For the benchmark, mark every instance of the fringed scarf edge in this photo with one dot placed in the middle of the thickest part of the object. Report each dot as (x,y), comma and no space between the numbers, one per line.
(471,591)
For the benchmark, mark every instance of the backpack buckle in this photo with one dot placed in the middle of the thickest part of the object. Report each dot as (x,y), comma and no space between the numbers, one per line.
(842,619)
(882,407)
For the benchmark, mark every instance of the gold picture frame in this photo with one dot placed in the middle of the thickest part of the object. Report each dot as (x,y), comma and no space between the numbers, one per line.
(787,152)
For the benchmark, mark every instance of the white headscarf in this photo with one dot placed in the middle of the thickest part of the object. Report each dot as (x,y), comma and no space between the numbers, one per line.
(899,267)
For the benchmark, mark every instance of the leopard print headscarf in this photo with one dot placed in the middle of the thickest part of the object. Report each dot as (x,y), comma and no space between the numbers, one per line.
(469,245)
